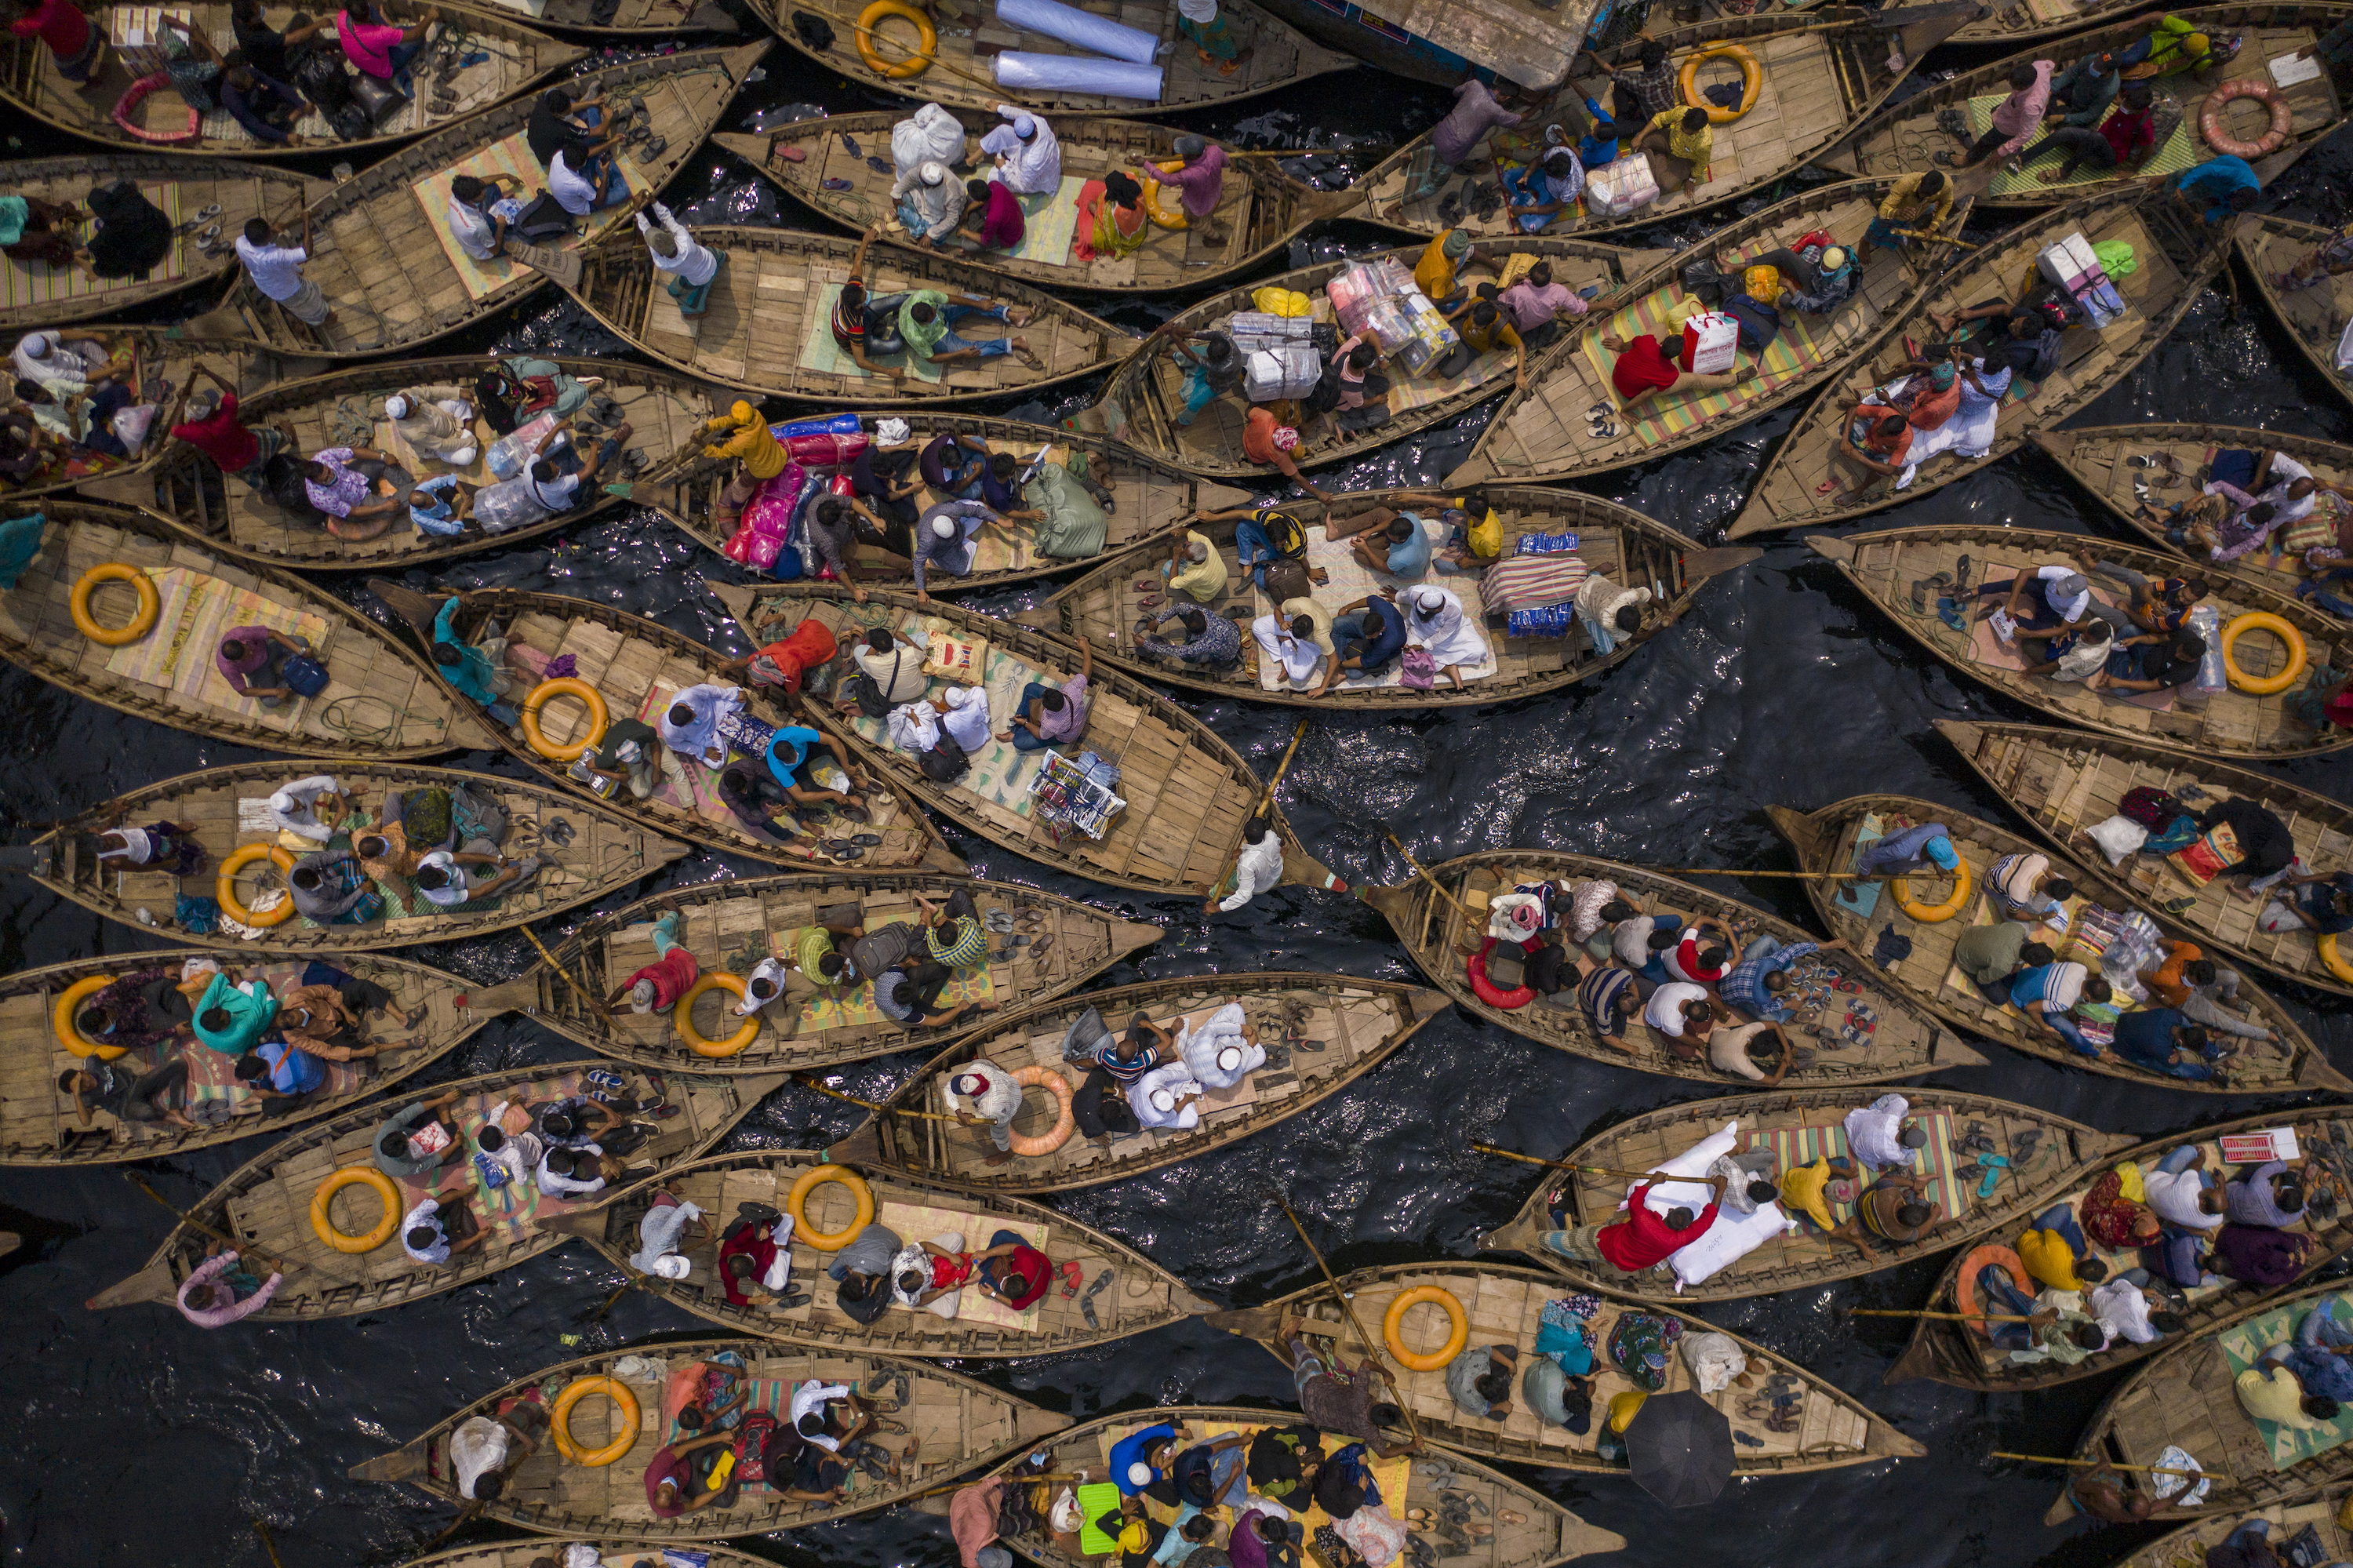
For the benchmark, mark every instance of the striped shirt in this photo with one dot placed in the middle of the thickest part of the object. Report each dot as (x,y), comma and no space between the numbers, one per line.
(1601,994)
(809,949)
(1127,1070)
(970,948)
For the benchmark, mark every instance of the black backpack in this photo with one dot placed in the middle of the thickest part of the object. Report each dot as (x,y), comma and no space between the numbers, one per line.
(544,218)
(944,763)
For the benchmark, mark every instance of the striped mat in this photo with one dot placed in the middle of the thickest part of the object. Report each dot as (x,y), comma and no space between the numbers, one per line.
(855,1007)
(2179,151)
(1795,1146)
(196,609)
(518,173)
(1795,352)
(2285,1446)
(998,774)
(23,284)
(921,1221)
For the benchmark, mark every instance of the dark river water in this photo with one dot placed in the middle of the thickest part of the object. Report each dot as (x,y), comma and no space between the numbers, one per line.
(138,1439)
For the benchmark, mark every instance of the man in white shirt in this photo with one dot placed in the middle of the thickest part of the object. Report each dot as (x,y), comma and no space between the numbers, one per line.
(1292,646)
(983,1094)
(2183,1195)
(1165,1099)
(1029,155)
(1256,869)
(964,715)
(440,1227)
(1223,1051)
(693,266)
(1680,1009)
(1876,1135)
(930,204)
(810,1417)
(572,1173)
(581,188)
(276,271)
(2064,593)
(296,808)
(2123,1312)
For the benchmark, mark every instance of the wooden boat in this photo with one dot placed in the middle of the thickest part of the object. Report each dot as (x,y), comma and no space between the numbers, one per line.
(765,331)
(2065,1153)
(1546,1534)
(1834,1429)
(1544,433)
(2191,1543)
(1150,497)
(1261,209)
(517,58)
(383,256)
(2314,317)
(1904,138)
(962,1424)
(1435,929)
(1277,57)
(1828,840)
(1523,44)
(380,705)
(1145,396)
(1334,1028)
(37,1124)
(1818,81)
(2063,782)
(586,851)
(2231,723)
(162,363)
(1188,794)
(2023,19)
(185,488)
(634,664)
(651,20)
(2101,459)
(1138,1295)
(38,295)
(2177,260)
(731,924)
(528,1552)
(270,1202)
(2184,1398)
(1615,541)
(1946,1351)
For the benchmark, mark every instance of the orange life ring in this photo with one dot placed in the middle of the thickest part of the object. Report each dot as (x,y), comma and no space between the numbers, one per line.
(1752,81)
(1964,887)
(1488,991)
(1065,1123)
(225,884)
(2209,118)
(682,1018)
(1162,215)
(808,1182)
(559,1420)
(1437,1296)
(1964,1290)
(2298,654)
(142,620)
(375,1182)
(2331,957)
(564,687)
(927,40)
(61,1017)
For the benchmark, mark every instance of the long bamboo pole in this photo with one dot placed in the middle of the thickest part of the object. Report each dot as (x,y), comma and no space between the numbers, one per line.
(577,989)
(1940,1317)
(1571,1165)
(243,1249)
(1418,871)
(2095,1464)
(1346,1308)
(808,1083)
(959,1485)
(1266,796)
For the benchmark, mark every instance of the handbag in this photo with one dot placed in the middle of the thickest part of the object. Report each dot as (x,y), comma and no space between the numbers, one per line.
(873,699)
(1418,668)
(304,676)
(378,100)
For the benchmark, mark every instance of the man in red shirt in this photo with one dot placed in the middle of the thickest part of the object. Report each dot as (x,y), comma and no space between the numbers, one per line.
(214,429)
(60,25)
(1648,365)
(1267,439)
(1639,1238)
(657,986)
(2124,141)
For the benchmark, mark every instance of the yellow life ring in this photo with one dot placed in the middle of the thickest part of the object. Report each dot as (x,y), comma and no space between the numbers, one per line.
(225,884)
(559,1420)
(1963,887)
(2264,621)
(2331,957)
(1173,217)
(62,1020)
(547,692)
(927,40)
(141,623)
(809,1180)
(1752,81)
(1459,1336)
(373,1179)
(682,1018)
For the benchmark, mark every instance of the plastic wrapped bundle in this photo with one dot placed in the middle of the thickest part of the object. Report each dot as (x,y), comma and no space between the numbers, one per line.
(1081,29)
(1018,71)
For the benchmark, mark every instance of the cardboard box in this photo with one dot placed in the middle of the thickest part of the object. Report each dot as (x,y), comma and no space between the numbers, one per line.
(1289,370)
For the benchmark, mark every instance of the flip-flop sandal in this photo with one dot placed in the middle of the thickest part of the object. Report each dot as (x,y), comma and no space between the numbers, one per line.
(1826,487)
(1961,571)
(1038,951)
(881,165)
(653,148)
(998,921)
(854,813)
(833,185)
(1950,614)
(2178,904)
(848,145)
(207,214)
(1021,941)
(866,841)
(1030,919)
(792,155)
(1001,956)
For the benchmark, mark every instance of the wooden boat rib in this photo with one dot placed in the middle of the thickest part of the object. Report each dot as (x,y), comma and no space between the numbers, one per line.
(516,58)
(1261,209)
(1612,540)
(2100,459)
(37,1124)
(651,20)
(2191,1543)
(731,925)
(1139,1296)
(1547,1535)
(586,852)
(2314,317)
(1543,433)
(2065,1153)
(1818,82)
(961,1424)
(380,255)
(2231,723)
(38,295)
(765,331)
(2063,782)
(1358,1022)
(1834,1429)
(267,1203)
(1277,56)
(2185,1396)
(184,488)
(380,705)
(1149,497)
(1146,395)
(2175,262)
(163,361)
(1906,139)
(635,663)
(1188,793)
(1827,841)
(1957,1354)
(1435,931)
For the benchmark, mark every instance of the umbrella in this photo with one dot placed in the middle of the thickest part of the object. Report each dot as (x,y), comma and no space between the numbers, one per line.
(1680,1446)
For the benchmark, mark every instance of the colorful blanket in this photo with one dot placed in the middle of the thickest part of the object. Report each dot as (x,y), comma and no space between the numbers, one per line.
(917,1222)
(2241,1345)
(855,1007)
(26,283)
(196,609)
(1795,351)
(1796,1146)
(2179,151)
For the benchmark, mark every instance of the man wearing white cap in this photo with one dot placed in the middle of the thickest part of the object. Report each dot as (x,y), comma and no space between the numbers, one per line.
(296,808)
(1877,1135)
(930,204)
(944,540)
(1434,620)
(658,1234)
(1165,1098)
(48,360)
(1290,643)
(982,1093)
(441,428)
(1029,155)
(1224,1050)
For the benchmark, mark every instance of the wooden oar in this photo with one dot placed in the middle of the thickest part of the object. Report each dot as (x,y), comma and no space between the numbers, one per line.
(2097,1464)
(1348,1307)
(267,1545)
(1266,797)
(474,1511)
(577,989)
(243,1249)
(1941,1316)
(1567,1165)
(870,1104)
(1418,871)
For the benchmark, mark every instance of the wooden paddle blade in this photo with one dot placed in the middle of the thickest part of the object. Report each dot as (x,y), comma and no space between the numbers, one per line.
(562,267)
(1702,563)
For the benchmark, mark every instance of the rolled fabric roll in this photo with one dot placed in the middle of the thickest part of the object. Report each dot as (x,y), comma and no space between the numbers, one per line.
(1074,73)
(1068,25)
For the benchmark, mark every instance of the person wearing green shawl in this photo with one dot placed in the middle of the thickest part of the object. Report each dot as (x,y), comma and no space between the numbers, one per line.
(20,541)
(232,1019)
(34,230)
(1211,34)
(928,320)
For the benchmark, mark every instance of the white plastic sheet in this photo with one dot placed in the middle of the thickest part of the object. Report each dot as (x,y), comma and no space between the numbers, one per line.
(1018,71)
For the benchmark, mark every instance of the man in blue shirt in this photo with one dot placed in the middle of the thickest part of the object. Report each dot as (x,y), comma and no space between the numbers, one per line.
(2226,183)
(2162,1041)
(1366,636)
(1402,549)
(1753,985)
(1913,850)
(275,1070)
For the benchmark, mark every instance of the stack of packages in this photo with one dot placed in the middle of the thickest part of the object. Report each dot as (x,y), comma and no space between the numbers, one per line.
(2070,264)
(1621,185)
(1379,300)
(1278,356)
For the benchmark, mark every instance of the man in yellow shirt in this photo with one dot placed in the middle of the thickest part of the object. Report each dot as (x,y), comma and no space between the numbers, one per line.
(1915,202)
(758,455)
(1679,142)
(1195,570)
(1441,258)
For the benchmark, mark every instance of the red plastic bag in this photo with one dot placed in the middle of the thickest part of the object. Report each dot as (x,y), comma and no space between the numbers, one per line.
(826,450)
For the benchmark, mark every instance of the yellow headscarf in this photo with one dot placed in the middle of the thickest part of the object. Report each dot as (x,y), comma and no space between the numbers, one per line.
(1623,1408)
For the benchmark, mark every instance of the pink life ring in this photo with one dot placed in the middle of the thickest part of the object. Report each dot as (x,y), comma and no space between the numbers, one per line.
(2209,118)
(1487,990)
